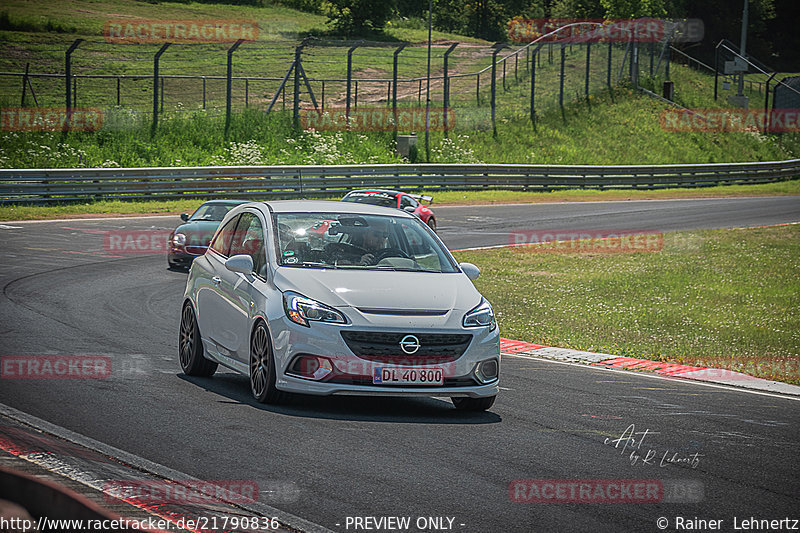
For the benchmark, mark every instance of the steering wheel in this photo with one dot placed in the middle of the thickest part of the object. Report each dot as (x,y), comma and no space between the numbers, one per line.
(390,252)
(339,249)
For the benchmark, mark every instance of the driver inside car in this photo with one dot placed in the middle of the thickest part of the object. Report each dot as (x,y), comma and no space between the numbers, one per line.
(373,240)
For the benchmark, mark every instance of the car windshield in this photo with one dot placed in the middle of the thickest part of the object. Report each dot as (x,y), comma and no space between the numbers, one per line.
(384,199)
(353,241)
(212,212)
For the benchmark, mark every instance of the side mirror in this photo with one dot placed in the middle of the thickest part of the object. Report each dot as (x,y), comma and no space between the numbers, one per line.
(241,263)
(185,217)
(409,209)
(470,270)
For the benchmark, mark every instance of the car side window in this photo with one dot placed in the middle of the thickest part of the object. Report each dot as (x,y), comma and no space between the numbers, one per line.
(407,201)
(249,240)
(222,242)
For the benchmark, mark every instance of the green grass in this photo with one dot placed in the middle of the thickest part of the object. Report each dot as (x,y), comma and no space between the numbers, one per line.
(724,298)
(152,207)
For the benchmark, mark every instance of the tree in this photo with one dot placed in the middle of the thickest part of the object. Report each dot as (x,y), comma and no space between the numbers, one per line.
(353,17)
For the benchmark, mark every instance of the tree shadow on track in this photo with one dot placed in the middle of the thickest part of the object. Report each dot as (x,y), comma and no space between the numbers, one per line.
(422,410)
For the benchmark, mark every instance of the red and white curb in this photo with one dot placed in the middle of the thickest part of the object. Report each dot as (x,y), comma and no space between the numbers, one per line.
(713,375)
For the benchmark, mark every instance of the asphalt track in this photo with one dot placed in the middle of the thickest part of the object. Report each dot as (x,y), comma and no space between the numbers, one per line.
(63,294)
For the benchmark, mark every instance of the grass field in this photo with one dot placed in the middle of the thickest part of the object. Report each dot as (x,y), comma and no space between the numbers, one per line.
(724,299)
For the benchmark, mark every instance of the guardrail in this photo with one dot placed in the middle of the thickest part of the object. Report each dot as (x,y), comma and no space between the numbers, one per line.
(301,181)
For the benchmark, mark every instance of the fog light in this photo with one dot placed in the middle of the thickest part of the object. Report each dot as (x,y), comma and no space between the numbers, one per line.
(310,367)
(487,371)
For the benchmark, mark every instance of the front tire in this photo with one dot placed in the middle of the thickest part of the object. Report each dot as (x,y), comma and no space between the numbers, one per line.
(262,367)
(190,347)
(432,224)
(473,404)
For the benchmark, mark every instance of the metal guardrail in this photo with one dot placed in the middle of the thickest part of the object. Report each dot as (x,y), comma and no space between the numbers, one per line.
(306,181)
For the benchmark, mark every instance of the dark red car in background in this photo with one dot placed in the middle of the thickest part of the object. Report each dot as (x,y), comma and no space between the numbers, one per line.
(397,199)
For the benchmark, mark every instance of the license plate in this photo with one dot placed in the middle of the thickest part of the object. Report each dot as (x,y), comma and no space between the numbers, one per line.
(407,376)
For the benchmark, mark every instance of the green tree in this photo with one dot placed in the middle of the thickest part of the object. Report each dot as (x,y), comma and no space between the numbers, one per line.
(354,17)
(632,9)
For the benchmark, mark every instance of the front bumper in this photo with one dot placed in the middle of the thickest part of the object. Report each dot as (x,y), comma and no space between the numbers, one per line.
(352,375)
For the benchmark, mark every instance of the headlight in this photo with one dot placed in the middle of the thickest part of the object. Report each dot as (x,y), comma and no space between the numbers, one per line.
(481,317)
(302,310)
(179,239)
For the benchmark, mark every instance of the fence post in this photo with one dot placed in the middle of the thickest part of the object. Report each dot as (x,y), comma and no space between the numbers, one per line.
(504,74)
(118,92)
(767,114)
(394,85)
(155,85)
(349,78)
(516,60)
(561,78)
(446,88)
(533,87)
(229,85)
(24,83)
(478,89)
(497,47)
(588,59)
(608,72)
(716,69)
(652,53)
(296,92)
(323,96)
(204,92)
(67,76)
(355,96)
(669,54)
(247,92)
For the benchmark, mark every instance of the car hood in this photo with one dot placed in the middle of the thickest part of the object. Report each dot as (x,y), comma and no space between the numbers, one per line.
(370,289)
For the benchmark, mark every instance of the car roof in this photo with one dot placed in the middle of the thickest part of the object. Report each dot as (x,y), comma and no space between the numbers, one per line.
(316,206)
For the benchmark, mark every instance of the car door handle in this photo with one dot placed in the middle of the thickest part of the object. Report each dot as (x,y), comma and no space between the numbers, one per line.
(216,280)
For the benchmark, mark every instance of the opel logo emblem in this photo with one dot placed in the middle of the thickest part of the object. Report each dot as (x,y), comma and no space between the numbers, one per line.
(410,344)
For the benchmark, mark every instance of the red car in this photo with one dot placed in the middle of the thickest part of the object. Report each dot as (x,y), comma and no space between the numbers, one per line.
(400,200)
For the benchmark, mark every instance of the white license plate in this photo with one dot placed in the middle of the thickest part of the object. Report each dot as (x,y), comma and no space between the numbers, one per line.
(407,376)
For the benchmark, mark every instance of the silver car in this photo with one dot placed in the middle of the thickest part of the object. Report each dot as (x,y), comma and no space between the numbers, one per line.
(328,298)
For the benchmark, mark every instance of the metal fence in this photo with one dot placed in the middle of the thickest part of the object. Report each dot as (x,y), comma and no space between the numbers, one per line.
(480,83)
(64,185)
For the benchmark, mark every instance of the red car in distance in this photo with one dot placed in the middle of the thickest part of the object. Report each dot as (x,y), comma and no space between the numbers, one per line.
(411,203)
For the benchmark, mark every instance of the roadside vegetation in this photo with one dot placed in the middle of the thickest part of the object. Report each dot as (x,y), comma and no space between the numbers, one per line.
(695,302)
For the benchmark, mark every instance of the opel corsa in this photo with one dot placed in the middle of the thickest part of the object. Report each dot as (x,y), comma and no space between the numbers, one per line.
(329,298)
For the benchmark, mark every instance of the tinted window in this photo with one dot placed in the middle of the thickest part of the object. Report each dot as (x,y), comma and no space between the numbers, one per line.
(211,212)
(222,243)
(373,198)
(249,240)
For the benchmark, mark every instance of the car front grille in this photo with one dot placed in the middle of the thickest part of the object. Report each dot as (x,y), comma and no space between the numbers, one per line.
(385,347)
(196,250)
